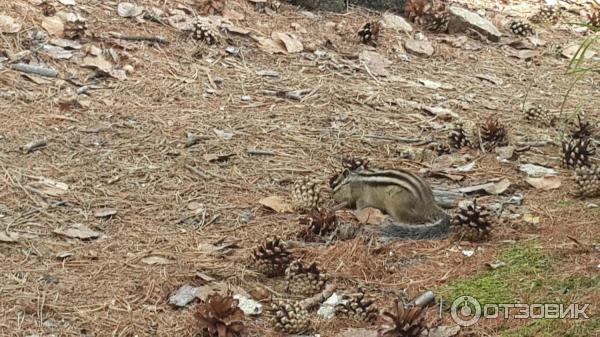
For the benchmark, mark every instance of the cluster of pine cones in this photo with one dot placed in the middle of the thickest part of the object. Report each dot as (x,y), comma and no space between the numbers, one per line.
(489,135)
(578,149)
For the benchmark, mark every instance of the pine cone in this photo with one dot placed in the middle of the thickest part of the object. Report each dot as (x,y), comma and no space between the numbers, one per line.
(493,134)
(442,149)
(290,317)
(271,258)
(369,32)
(473,222)
(521,28)
(547,14)
(404,322)
(417,11)
(203,31)
(75,29)
(577,152)
(355,163)
(594,19)
(459,137)
(47,8)
(437,21)
(210,7)
(304,281)
(582,128)
(306,195)
(318,224)
(221,317)
(587,180)
(539,115)
(358,306)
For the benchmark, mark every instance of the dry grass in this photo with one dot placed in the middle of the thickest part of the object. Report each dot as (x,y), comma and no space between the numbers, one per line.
(124,149)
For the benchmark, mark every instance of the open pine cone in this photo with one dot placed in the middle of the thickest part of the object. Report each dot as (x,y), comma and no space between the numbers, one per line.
(271,258)
(587,180)
(203,30)
(403,321)
(318,224)
(290,317)
(577,152)
(355,163)
(75,29)
(221,317)
(437,19)
(537,114)
(521,28)
(358,306)
(460,136)
(582,128)
(304,280)
(47,8)
(417,11)
(493,134)
(210,7)
(547,14)
(594,19)
(473,222)
(369,32)
(306,195)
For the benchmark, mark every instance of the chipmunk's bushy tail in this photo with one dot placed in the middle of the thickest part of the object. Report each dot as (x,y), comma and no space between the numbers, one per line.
(398,231)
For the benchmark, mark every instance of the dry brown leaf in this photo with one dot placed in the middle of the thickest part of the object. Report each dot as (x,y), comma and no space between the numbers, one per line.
(97,62)
(544,183)
(105,212)
(8,237)
(157,260)
(129,10)
(218,287)
(498,187)
(369,216)
(353,332)
(9,25)
(79,231)
(276,203)
(270,46)
(230,14)
(291,43)
(53,25)
(376,63)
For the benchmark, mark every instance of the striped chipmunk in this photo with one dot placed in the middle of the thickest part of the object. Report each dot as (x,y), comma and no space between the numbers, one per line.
(403,195)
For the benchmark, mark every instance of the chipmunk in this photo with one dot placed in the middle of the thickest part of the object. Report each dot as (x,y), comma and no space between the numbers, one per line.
(404,196)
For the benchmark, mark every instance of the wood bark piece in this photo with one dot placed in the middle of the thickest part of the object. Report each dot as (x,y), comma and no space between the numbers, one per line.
(341,5)
(36,70)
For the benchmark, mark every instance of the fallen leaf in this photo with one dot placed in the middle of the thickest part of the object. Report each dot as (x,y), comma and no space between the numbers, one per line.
(376,63)
(50,187)
(544,183)
(536,171)
(223,134)
(9,25)
(270,46)
(105,212)
(531,219)
(215,157)
(498,187)
(8,237)
(97,62)
(53,25)
(495,265)
(223,288)
(570,52)
(466,168)
(353,332)
(444,331)
(369,216)
(276,203)
(79,231)
(291,43)
(505,152)
(156,260)
(129,10)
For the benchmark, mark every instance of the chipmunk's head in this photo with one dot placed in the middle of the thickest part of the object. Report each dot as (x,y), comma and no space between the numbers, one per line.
(341,188)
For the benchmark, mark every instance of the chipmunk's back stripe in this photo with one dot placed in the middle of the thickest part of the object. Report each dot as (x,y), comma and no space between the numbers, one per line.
(375,179)
(406,179)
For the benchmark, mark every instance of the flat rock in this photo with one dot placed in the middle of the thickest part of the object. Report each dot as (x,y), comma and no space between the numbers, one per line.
(462,19)
(419,48)
(396,22)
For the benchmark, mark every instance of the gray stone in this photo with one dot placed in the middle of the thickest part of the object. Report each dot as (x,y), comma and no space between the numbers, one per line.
(420,48)
(184,295)
(396,22)
(462,19)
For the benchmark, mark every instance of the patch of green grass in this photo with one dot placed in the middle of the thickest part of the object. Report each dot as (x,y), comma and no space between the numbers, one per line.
(525,268)
(565,203)
(551,327)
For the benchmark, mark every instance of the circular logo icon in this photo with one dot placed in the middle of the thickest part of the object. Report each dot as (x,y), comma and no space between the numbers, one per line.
(465,311)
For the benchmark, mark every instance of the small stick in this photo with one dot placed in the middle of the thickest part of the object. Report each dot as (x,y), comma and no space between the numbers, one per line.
(260,152)
(157,39)
(197,172)
(37,70)
(318,298)
(35,145)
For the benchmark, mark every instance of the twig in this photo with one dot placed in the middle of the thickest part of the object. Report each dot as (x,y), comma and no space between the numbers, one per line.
(319,298)
(37,70)
(260,152)
(35,145)
(197,172)
(156,38)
